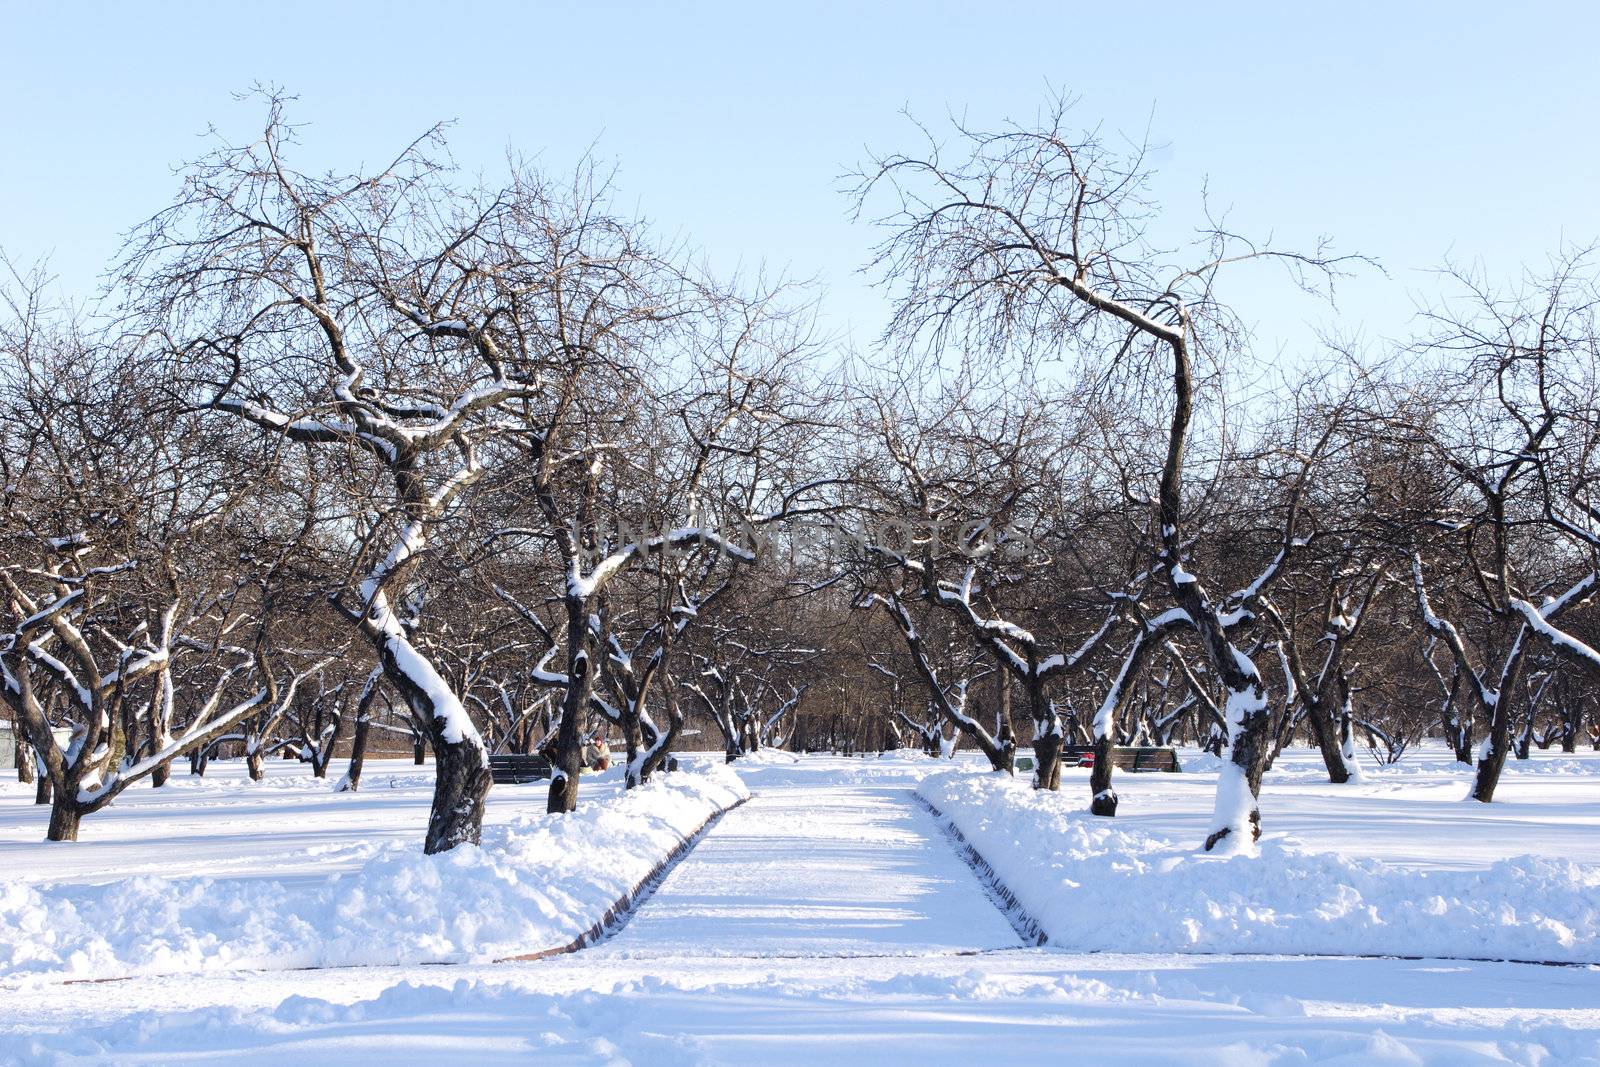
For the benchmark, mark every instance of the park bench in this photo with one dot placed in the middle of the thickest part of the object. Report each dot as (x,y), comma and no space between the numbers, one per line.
(1124,757)
(509,768)
(1151,758)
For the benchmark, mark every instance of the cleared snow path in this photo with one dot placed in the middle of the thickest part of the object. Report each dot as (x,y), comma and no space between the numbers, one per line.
(853,870)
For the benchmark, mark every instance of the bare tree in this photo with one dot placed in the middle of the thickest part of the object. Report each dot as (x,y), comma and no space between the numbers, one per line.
(1030,244)
(636,476)
(374,318)
(1517,521)
(107,486)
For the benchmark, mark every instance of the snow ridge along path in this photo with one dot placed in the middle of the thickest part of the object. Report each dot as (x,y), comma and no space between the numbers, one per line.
(1171,898)
(1026,926)
(539,883)
(618,914)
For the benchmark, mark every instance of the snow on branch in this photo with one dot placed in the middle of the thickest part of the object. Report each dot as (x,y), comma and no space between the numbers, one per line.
(1558,638)
(585,586)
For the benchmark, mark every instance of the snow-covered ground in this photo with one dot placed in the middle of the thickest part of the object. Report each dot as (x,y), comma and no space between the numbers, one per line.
(537,884)
(830,920)
(1159,893)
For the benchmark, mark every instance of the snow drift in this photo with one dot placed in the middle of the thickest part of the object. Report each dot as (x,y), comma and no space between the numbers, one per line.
(536,883)
(1092,885)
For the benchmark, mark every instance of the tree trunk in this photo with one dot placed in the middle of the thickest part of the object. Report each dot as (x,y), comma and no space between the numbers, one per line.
(1047,762)
(1571,727)
(460,789)
(568,761)
(1347,735)
(1499,746)
(161,728)
(1248,717)
(24,758)
(1005,733)
(1046,735)
(658,747)
(419,751)
(1102,798)
(1008,746)
(64,818)
(730,731)
(1327,743)
(1239,784)
(461,778)
(1500,741)
(43,791)
(1347,745)
(632,776)
(1493,761)
(255,761)
(358,756)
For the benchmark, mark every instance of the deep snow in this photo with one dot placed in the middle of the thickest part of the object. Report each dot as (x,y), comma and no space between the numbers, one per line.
(1031,1006)
(537,883)
(827,921)
(1157,894)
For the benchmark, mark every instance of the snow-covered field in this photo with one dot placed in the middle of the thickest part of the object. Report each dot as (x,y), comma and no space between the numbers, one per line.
(537,884)
(1312,889)
(831,920)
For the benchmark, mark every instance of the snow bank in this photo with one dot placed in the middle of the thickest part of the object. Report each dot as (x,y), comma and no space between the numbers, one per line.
(536,883)
(1090,884)
(928,1011)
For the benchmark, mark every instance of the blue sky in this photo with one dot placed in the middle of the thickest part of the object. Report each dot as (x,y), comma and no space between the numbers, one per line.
(1407,132)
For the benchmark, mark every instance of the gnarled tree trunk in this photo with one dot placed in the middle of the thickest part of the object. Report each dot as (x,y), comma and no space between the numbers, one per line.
(64,819)
(351,782)
(1046,733)
(24,758)
(568,758)
(255,759)
(358,757)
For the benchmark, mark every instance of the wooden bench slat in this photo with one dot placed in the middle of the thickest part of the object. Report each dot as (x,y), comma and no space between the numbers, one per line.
(1128,757)
(516,768)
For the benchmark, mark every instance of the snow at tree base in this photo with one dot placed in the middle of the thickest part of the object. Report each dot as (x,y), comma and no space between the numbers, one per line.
(831,910)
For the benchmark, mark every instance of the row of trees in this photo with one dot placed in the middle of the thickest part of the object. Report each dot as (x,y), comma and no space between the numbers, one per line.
(497,467)
(1108,458)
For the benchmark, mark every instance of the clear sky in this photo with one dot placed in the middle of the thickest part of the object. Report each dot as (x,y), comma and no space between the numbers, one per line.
(1405,131)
